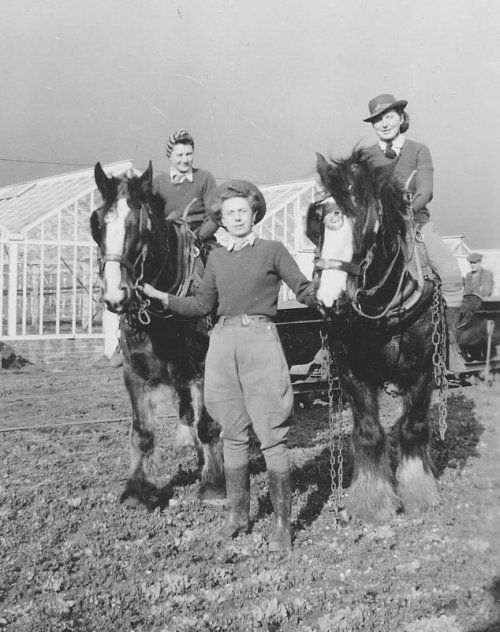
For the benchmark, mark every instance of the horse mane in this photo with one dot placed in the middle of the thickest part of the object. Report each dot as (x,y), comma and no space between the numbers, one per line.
(357,186)
(162,235)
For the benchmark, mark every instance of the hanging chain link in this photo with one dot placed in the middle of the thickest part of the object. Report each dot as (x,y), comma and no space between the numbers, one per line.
(336,450)
(439,355)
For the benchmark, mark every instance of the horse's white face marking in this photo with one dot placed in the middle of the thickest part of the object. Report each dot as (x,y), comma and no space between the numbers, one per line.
(114,245)
(338,244)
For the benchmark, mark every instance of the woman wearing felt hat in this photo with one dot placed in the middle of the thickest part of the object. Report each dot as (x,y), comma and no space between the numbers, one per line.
(247,381)
(411,165)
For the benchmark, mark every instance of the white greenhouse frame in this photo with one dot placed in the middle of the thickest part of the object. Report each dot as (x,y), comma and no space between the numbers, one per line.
(49,281)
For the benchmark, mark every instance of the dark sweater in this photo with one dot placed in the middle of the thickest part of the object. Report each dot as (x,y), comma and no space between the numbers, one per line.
(480,283)
(178,196)
(413,156)
(245,281)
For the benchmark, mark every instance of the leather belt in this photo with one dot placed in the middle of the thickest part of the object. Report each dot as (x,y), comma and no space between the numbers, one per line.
(243,320)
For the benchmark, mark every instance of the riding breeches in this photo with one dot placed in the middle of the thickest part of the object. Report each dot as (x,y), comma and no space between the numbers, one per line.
(445,264)
(247,383)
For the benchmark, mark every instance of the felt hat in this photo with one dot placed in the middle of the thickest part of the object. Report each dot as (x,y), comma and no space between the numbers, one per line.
(236,188)
(384,103)
(180,136)
(474,257)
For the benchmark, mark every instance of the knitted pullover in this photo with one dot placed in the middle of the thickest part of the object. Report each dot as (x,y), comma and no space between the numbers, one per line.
(413,156)
(178,196)
(245,281)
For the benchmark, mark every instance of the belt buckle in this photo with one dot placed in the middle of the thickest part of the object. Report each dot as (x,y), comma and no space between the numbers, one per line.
(245,320)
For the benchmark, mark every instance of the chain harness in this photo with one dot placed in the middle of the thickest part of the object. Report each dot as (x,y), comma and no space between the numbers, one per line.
(335,426)
(438,357)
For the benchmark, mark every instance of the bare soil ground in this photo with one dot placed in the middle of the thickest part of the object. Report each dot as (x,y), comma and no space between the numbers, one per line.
(73,558)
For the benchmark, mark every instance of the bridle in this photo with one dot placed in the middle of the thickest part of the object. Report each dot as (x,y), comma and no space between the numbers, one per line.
(111,216)
(355,270)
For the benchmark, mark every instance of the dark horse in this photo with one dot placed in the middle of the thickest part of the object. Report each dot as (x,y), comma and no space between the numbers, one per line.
(160,351)
(378,317)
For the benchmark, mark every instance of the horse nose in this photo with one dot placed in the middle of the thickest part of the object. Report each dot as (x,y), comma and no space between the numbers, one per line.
(117,299)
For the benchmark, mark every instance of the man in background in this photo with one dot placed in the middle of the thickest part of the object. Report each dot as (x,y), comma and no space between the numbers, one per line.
(479,280)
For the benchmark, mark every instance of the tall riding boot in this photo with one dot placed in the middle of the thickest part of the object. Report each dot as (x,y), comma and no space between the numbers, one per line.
(455,361)
(238,493)
(280,489)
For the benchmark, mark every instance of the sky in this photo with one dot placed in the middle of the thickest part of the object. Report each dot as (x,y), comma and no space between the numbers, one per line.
(262,85)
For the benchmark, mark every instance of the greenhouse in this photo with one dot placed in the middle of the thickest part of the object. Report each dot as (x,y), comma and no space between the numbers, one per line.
(49,286)
(49,282)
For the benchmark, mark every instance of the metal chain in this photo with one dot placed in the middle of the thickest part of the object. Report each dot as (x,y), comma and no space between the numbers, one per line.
(336,456)
(439,355)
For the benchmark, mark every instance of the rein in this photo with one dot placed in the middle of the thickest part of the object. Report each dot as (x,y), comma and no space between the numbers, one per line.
(186,261)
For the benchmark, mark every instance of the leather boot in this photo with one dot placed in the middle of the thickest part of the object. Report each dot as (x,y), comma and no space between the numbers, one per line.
(238,494)
(455,360)
(280,490)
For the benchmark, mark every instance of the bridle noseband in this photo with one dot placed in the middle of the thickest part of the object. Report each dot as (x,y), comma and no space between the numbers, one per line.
(120,258)
(357,271)
(353,269)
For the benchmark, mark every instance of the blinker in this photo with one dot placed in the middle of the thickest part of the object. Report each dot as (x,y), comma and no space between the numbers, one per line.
(334,220)
(111,216)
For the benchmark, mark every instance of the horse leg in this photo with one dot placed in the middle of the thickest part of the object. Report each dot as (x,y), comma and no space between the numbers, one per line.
(212,484)
(416,484)
(185,438)
(143,454)
(372,498)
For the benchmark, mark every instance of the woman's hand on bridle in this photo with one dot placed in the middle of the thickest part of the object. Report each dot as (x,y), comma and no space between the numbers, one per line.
(152,292)
(149,290)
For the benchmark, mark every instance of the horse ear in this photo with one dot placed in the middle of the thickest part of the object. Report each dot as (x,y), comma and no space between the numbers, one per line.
(146,180)
(101,179)
(323,167)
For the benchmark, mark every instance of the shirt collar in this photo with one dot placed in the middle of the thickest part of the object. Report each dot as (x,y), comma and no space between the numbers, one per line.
(249,240)
(177,177)
(397,143)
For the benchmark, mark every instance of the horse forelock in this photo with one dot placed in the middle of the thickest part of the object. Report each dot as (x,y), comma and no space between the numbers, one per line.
(352,184)
(368,195)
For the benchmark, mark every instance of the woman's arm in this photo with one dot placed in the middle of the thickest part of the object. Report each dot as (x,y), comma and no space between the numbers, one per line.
(201,304)
(289,271)
(424,179)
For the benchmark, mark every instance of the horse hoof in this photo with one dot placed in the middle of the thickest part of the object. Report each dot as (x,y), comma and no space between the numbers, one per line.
(132,502)
(148,498)
(211,495)
(185,440)
(417,487)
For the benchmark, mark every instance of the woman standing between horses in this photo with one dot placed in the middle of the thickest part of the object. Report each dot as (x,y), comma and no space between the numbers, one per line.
(411,165)
(247,381)
(185,186)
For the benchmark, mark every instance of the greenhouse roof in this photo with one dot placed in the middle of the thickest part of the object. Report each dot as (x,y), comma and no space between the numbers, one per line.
(278,194)
(23,205)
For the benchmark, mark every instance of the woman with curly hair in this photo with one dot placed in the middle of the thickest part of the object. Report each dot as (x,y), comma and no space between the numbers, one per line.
(186,187)
(247,381)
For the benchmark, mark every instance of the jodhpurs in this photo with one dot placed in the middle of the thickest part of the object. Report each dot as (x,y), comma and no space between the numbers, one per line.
(247,382)
(445,265)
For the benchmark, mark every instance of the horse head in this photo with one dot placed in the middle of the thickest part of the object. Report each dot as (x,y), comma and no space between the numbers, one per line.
(348,228)
(122,227)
